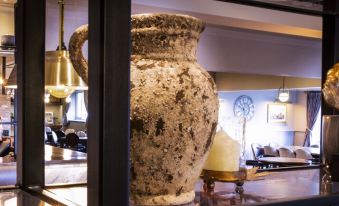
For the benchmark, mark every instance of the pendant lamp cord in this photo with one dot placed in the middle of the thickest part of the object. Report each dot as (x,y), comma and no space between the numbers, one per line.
(61,45)
(283,83)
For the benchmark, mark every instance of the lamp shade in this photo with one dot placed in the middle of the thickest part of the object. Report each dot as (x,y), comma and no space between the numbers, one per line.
(283,96)
(12,80)
(61,79)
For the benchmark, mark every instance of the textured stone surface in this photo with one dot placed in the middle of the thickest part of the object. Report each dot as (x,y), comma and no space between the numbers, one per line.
(331,89)
(174,109)
(79,62)
(75,45)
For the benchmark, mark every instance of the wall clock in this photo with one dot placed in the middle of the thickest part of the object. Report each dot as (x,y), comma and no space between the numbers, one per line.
(244,107)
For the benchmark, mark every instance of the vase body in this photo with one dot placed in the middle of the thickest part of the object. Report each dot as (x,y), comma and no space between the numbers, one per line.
(174,109)
(330,87)
(330,146)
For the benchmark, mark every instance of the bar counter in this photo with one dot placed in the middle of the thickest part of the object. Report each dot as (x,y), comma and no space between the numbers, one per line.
(62,166)
(294,187)
(277,188)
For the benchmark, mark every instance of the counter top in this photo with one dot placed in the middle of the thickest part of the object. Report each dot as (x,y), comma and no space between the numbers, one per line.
(63,155)
(62,166)
(276,187)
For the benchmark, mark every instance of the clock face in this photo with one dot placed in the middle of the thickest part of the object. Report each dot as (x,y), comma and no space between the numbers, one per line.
(244,107)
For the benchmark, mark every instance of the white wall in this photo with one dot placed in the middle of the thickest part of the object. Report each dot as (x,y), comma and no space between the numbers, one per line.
(6,20)
(227,50)
(258,130)
(76,14)
(57,112)
(7,27)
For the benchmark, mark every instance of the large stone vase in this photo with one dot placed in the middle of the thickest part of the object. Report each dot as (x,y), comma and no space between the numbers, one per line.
(174,109)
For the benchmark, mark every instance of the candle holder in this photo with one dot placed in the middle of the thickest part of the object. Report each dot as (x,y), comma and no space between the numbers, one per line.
(237,177)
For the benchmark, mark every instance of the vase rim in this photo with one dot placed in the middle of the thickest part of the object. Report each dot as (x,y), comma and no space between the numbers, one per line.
(165,21)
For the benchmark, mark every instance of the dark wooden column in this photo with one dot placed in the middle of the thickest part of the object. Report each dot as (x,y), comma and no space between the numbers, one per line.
(30,42)
(330,44)
(108,119)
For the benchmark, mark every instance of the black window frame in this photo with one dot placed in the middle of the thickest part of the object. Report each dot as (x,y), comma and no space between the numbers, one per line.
(109,54)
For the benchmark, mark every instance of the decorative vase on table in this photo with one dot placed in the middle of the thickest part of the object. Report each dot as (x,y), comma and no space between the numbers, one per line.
(330,127)
(174,109)
(331,89)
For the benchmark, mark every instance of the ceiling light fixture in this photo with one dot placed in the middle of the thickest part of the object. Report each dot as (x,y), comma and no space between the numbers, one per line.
(283,93)
(61,80)
(46,99)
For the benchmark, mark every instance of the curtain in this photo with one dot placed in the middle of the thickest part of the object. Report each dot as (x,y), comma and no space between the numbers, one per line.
(86,99)
(65,121)
(313,107)
(86,104)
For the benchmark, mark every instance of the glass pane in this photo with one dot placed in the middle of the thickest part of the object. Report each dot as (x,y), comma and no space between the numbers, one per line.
(66,114)
(80,108)
(7,96)
(249,65)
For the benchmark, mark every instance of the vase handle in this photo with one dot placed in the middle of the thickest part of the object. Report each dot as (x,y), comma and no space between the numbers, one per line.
(75,50)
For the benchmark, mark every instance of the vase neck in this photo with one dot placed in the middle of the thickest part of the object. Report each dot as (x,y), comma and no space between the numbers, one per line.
(165,36)
(166,46)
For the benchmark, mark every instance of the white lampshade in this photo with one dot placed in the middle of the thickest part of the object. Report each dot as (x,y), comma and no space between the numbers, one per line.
(284,96)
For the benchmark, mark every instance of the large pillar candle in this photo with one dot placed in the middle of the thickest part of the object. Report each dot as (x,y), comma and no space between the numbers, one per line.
(224,154)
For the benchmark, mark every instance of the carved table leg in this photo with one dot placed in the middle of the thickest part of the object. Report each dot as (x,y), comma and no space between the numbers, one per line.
(239,187)
(209,185)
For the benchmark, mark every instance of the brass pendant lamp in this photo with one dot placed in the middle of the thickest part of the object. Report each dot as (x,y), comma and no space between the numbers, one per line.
(61,80)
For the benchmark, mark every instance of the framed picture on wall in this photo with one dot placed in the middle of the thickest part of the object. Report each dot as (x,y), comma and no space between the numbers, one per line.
(49,118)
(276,113)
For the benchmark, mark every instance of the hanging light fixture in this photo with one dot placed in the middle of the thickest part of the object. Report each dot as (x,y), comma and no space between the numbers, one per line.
(283,93)
(61,80)
(46,99)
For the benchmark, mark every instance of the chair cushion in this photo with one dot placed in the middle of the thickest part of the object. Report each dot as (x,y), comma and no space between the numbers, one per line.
(81,134)
(271,151)
(285,152)
(68,131)
(303,154)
